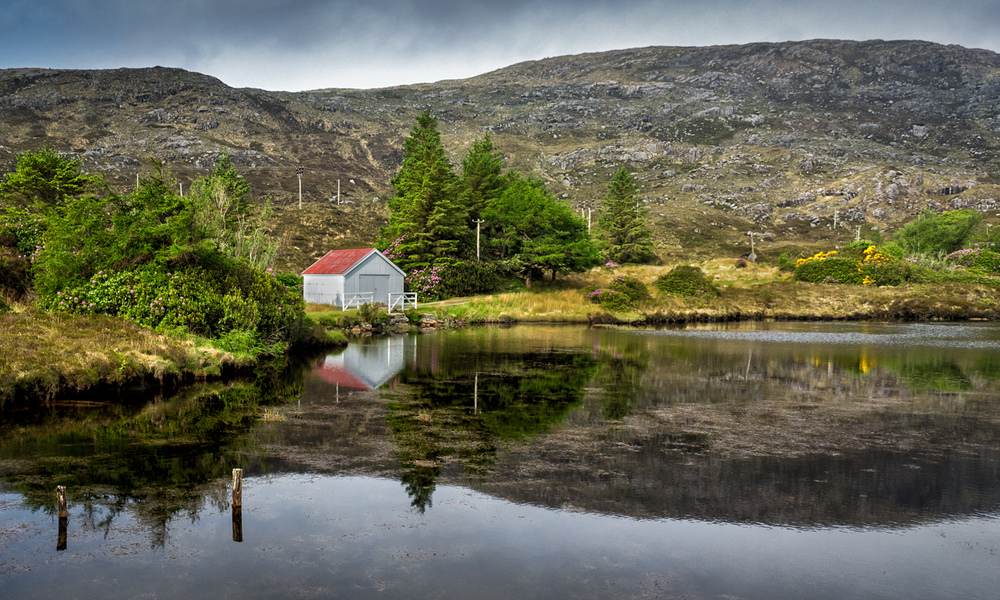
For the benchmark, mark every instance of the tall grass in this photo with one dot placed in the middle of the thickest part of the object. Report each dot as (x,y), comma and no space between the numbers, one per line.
(42,353)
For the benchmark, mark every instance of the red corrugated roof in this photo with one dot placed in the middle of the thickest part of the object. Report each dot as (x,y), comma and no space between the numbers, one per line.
(337,262)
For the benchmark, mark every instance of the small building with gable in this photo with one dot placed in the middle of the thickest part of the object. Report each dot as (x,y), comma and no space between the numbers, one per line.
(352,277)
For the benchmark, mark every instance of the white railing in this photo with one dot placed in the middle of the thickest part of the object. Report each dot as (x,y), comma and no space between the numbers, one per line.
(401,299)
(356,300)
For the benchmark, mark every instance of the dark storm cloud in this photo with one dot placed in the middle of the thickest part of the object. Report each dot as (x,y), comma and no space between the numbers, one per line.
(305,44)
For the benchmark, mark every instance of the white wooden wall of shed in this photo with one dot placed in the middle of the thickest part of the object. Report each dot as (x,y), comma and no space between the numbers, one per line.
(323,289)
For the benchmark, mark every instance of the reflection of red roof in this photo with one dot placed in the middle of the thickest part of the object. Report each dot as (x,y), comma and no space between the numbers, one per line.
(337,262)
(341,376)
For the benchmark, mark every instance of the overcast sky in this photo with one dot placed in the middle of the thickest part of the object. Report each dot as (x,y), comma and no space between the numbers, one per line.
(310,44)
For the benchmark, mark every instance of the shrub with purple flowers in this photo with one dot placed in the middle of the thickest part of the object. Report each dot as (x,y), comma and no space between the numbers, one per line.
(983,259)
(426,282)
(621,294)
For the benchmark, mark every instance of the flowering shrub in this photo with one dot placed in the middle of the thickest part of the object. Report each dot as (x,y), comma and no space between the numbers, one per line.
(815,257)
(983,259)
(393,251)
(828,270)
(611,265)
(612,300)
(859,265)
(426,282)
(209,303)
(622,293)
(741,263)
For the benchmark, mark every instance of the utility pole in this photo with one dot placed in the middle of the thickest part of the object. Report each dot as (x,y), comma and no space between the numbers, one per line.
(477,222)
(338,192)
(299,171)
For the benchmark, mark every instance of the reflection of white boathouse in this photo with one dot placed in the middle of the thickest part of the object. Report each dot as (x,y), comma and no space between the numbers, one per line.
(366,365)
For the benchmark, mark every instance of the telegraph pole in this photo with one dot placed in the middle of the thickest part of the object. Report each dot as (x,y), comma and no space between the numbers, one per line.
(338,192)
(478,222)
(299,171)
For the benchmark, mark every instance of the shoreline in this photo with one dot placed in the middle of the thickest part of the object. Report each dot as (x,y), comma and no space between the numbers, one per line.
(44,356)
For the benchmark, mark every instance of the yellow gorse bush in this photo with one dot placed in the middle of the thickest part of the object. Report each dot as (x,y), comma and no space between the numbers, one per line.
(817,256)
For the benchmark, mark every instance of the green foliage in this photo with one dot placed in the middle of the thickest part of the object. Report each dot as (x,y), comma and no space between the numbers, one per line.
(229,297)
(784,263)
(830,270)
(622,293)
(44,178)
(893,249)
(425,206)
(171,263)
(469,278)
(934,235)
(982,259)
(623,226)
(536,232)
(373,314)
(685,280)
(228,221)
(482,178)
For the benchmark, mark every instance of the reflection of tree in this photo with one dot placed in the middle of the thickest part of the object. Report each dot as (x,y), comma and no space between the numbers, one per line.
(623,362)
(461,412)
(156,460)
(419,482)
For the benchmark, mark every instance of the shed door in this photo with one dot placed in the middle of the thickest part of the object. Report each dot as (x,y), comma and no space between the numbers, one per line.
(377,284)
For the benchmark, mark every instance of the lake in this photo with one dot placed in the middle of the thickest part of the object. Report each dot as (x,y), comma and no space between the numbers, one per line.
(748,460)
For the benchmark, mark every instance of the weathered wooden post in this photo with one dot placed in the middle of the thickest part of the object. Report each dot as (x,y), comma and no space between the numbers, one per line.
(237,505)
(63,517)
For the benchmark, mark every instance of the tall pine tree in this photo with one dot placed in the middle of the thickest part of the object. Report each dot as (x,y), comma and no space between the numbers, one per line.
(425,213)
(623,229)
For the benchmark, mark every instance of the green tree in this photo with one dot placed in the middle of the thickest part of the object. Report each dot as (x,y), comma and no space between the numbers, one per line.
(623,230)
(933,234)
(482,178)
(45,178)
(425,214)
(226,218)
(535,232)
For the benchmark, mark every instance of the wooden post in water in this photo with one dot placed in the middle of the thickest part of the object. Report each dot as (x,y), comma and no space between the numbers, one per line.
(63,517)
(238,487)
(237,505)
(61,501)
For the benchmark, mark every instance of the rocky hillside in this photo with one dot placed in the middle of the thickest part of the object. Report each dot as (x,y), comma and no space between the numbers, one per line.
(808,141)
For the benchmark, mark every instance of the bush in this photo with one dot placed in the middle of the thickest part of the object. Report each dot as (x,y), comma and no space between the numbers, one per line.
(469,278)
(829,270)
(687,281)
(932,234)
(229,297)
(982,259)
(785,264)
(373,314)
(622,293)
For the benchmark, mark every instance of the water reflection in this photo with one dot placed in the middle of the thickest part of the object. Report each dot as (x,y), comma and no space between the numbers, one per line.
(824,429)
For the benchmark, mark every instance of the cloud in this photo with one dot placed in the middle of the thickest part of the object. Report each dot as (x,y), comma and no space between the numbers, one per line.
(309,44)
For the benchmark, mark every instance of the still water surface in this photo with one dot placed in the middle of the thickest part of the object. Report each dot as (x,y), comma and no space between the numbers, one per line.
(805,460)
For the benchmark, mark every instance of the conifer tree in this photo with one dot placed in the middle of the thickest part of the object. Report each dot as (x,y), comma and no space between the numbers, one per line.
(425,213)
(482,179)
(623,229)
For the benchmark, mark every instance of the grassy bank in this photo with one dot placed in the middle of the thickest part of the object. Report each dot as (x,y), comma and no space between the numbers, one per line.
(745,295)
(43,354)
